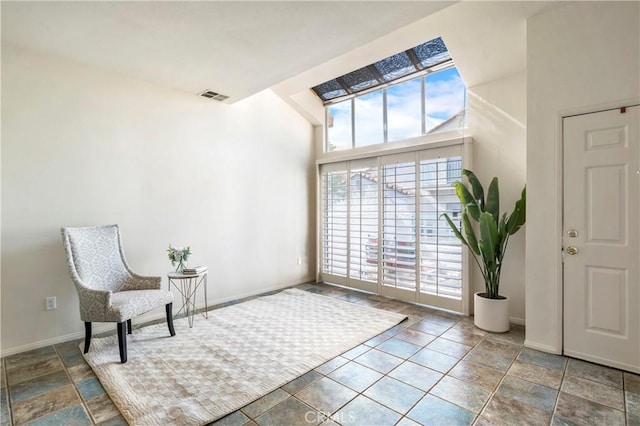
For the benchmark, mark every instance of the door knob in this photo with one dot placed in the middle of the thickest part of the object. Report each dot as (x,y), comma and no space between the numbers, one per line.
(572,250)
(572,233)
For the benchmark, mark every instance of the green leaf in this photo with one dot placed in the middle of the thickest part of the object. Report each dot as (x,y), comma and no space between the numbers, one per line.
(489,237)
(476,187)
(454,228)
(502,227)
(472,241)
(463,193)
(473,210)
(467,201)
(493,200)
(519,214)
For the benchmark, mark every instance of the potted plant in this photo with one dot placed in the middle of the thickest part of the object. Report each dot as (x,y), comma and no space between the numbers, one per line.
(488,248)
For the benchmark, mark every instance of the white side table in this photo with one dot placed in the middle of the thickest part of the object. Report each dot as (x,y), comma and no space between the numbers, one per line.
(187,285)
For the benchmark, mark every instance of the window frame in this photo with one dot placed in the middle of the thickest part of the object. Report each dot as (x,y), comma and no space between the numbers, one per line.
(383,88)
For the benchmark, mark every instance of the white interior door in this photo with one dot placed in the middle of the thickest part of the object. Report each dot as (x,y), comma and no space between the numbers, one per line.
(601,237)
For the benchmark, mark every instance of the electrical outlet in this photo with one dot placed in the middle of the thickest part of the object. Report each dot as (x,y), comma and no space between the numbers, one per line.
(51,303)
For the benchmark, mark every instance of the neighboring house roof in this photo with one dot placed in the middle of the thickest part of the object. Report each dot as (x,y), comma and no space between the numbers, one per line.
(454,122)
(365,174)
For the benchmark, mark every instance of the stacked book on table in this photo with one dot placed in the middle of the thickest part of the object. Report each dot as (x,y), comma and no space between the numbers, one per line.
(194,270)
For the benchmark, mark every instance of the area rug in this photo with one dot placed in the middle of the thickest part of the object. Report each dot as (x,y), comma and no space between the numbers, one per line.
(241,353)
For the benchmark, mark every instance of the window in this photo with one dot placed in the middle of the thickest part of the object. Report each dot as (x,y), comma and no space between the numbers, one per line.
(368,122)
(427,104)
(339,128)
(417,59)
(444,99)
(404,110)
(382,229)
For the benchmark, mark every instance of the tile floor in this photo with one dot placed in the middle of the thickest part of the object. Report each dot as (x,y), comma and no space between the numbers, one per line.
(436,368)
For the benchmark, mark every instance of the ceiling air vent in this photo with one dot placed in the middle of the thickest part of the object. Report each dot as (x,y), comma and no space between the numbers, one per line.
(213,95)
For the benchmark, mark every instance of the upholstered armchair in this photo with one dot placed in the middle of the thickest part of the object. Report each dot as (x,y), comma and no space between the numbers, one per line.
(109,291)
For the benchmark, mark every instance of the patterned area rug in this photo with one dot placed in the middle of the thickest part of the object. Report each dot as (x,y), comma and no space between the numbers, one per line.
(241,353)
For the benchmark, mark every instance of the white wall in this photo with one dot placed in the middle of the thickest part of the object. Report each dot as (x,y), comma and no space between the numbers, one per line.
(81,146)
(497,121)
(581,57)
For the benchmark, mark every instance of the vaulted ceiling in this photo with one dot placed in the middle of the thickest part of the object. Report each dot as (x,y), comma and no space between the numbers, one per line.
(234,48)
(239,48)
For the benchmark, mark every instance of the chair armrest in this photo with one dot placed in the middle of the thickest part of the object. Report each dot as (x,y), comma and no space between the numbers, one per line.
(97,296)
(93,303)
(147,283)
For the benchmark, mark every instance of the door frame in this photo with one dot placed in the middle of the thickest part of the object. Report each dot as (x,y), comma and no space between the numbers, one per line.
(558,265)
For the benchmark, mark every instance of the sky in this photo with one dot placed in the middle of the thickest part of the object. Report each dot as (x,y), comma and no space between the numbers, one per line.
(445,96)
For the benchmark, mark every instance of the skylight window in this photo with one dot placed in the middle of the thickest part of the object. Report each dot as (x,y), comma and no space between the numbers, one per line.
(417,59)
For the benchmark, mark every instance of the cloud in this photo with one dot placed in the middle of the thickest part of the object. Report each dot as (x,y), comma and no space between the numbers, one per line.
(369,119)
(339,134)
(445,97)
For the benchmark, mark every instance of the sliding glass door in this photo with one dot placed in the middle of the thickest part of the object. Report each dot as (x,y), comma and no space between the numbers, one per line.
(382,228)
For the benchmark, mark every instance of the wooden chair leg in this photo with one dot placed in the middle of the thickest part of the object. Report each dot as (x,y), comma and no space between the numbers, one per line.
(87,336)
(122,341)
(169,308)
(129,326)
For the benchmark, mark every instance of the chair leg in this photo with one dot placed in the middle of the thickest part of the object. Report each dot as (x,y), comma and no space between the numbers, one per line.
(87,336)
(129,326)
(169,308)
(122,341)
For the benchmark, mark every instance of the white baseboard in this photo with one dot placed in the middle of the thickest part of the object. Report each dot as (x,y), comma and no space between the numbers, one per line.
(41,344)
(542,348)
(98,328)
(515,320)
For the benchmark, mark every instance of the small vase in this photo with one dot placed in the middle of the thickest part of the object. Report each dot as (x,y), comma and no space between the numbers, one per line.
(180,267)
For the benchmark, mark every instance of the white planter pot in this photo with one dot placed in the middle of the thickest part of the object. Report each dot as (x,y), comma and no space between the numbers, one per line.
(491,314)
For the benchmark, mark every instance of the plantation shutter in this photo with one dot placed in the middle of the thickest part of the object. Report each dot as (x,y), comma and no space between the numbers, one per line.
(440,250)
(382,228)
(334,187)
(363,224)
(398,242)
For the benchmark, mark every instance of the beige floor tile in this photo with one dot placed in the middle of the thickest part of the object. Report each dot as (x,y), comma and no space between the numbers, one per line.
(448,347)
(504,411)
(325,395)
(102,408)
(44,404)
(536,374)
(575,410)
(80,372)
(594,391)
(291,412)
(461,393)
(596,373)
(482,376)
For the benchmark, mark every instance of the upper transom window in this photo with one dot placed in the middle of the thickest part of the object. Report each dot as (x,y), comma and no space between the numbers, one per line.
(420,58)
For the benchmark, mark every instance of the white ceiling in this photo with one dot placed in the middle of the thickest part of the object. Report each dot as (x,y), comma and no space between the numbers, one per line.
(240,48)
(234,48)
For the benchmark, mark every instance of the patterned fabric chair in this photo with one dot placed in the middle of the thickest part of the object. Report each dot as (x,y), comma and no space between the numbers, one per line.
(109,291)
